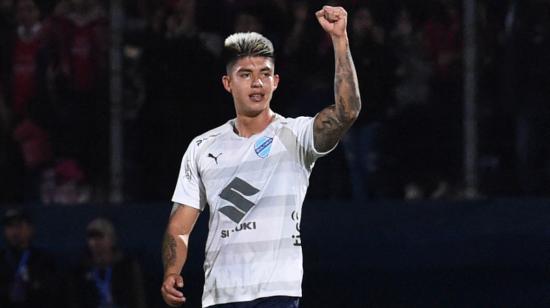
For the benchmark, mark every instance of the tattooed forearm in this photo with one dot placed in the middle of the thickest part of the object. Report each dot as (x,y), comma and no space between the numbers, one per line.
(334,120)
(168,250)
(346,86)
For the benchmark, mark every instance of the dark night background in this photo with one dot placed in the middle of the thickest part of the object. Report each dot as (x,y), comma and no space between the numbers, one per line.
(387,222)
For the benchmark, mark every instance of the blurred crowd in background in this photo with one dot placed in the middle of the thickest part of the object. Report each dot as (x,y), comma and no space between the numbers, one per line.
(55,113)
(407,144)
(104,275)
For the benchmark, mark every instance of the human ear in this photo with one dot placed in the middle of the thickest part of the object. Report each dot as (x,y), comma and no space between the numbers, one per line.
(226,81)
(275,81)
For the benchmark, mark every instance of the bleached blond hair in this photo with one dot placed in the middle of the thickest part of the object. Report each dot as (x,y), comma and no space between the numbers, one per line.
(246,44)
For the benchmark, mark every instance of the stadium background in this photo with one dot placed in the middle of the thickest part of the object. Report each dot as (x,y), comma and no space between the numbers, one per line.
(397,216)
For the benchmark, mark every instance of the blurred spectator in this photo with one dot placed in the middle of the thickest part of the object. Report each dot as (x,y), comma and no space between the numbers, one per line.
(272,18)
(7,24)
(298,31)
(37,154)
(11,164)
(406,130)
(64,183)
(6,5)
(496,149)
(527,50)
(297,63)
(181,22)
(54,86)
(27,274)
(247,22)
(180,73)
(80,27)
(106,277)
(442,38)
(413,69)
(27,58)
(26,93)
(80,87)
(374,63)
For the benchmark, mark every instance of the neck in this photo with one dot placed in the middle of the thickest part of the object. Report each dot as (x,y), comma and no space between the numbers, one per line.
(104,259)
(247,126)
(18,249)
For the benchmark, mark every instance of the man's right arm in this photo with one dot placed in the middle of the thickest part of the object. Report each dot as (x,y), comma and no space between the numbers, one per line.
(174,252)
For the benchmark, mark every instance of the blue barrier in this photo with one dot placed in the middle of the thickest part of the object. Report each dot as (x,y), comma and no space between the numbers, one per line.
(382,254)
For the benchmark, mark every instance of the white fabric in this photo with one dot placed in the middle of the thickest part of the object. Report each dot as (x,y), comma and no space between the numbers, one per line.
(255,188)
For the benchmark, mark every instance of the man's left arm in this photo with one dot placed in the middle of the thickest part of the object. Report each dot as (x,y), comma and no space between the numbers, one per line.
(333,121)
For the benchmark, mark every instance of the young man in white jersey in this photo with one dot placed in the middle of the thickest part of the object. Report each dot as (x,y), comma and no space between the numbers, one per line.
(253,173)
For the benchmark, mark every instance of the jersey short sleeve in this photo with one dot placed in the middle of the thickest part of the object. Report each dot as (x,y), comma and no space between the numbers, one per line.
(189,189)
(303,127)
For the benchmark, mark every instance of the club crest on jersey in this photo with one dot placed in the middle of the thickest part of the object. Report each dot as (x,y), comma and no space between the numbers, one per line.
(263,146)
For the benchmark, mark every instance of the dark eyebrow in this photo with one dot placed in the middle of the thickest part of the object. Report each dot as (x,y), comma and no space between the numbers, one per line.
(247,70)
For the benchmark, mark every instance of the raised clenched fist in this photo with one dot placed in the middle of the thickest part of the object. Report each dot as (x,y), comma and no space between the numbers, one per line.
(333,20)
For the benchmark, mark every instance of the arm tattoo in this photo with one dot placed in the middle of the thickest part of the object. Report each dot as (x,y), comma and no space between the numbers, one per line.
(168,250)
(334,120)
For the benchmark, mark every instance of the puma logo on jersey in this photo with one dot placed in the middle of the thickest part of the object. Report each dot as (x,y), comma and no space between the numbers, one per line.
(215,158)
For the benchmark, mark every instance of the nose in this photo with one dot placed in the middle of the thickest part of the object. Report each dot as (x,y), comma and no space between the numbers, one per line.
(257,83)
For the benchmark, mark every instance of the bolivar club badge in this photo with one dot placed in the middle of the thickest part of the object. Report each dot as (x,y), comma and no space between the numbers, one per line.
(262,147)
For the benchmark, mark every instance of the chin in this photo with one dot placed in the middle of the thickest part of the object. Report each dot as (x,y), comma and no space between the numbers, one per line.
(255,110)
(251,113)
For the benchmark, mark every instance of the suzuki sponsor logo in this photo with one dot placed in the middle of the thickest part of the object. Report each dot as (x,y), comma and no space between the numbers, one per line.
(251,225)
(235,193)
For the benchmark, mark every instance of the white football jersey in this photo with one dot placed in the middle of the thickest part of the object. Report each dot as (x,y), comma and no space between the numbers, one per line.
(255,188)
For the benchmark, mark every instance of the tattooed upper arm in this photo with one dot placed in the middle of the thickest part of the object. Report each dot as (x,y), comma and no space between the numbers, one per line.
(328,128)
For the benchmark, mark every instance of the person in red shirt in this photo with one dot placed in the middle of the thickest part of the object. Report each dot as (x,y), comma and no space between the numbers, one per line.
(26,99)
(27,57)
(79,31)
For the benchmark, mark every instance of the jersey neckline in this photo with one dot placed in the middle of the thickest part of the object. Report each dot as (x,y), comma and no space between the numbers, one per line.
(231,123)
